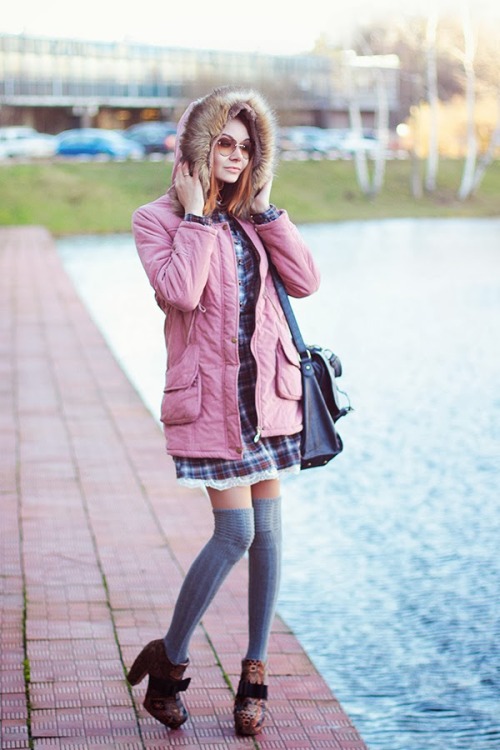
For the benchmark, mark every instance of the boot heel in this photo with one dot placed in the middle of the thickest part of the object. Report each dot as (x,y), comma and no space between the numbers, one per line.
(139,669)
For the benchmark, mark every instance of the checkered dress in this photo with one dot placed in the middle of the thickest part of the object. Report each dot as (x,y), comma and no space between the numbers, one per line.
(264,458)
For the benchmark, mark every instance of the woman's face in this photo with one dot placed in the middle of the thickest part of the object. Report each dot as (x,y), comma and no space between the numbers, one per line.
(232,151)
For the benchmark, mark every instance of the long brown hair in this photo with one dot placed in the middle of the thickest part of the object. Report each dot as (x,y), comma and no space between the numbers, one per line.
(236,198)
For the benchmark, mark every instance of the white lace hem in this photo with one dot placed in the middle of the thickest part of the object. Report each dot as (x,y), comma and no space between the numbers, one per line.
(243,481)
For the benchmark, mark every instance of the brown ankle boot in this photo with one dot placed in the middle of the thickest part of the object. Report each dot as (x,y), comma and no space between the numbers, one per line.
(250,702)
(165,683)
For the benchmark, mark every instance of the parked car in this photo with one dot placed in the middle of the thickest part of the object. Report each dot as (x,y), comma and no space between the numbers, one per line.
(354,142)
(334,139)
(155,137)
(307,141)
(310,141)
(303,140)
(97,142)
(23,141)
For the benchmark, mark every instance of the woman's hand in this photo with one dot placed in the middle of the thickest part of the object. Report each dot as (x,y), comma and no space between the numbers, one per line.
(262,201)
(189,190)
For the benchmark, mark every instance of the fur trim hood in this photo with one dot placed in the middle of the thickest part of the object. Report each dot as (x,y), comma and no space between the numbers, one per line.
(204,120)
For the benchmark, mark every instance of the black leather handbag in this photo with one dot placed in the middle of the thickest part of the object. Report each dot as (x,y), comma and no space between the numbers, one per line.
(321,403)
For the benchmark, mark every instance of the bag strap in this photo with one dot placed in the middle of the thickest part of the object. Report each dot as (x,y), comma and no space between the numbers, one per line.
(289,314)
(304,354)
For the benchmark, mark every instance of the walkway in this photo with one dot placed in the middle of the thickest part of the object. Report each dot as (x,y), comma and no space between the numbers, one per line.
(95,539)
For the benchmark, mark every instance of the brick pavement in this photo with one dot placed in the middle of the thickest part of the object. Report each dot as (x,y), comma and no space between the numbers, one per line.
(95,539)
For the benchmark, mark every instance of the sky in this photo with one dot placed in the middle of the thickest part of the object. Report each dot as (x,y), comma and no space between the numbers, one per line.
(275,26)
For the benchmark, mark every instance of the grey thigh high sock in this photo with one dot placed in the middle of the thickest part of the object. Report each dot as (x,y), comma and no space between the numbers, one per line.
(264,575)
(233,534)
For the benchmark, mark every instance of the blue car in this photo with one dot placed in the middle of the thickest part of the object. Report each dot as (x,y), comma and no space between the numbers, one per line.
(97,142)
(156,137)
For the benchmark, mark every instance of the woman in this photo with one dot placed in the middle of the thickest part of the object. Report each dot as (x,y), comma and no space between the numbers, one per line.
(231,406)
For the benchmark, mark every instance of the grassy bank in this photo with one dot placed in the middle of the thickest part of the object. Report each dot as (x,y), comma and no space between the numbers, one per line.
(82,198)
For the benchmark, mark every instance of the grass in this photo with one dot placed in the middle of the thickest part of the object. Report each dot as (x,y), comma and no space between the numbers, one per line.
(96,197)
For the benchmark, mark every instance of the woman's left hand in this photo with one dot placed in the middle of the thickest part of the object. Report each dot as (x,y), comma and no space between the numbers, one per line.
(262,201)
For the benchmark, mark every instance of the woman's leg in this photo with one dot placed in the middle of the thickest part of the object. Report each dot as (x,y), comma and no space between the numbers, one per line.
(165,660)
(232,536)
(264,578)
(264,566)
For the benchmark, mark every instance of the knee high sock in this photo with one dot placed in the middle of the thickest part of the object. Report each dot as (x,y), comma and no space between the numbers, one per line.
(233,534)
(264,575)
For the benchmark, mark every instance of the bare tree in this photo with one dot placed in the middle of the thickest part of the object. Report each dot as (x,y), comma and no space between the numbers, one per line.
(432,97)
(356,125)
(488,84)
(469,53)
(488,157)
(380,155)
(370,185)
(445,54)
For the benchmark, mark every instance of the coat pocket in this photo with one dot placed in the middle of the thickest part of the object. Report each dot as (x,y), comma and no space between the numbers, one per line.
(288,375)
(181,402)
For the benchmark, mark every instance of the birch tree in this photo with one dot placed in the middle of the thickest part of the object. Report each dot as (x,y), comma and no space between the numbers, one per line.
(356,125)
(489,155)
(487,82)
(382,131)
(433,100)
(469,53)
(370,186)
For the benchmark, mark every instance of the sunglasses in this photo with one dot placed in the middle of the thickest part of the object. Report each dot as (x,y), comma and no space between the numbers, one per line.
(226,146)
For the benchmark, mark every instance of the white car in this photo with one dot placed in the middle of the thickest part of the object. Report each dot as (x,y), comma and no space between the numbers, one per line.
(22,141)
(354,142)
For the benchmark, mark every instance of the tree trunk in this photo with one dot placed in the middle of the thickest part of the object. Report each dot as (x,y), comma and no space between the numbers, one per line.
(487,158)
(382,133)
(415,176)
(370,186)
(432,97)
(356,126)
(467,183)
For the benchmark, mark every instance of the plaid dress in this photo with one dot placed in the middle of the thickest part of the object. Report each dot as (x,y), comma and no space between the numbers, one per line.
(262,458)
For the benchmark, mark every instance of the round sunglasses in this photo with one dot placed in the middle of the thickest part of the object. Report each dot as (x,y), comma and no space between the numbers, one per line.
(226,146)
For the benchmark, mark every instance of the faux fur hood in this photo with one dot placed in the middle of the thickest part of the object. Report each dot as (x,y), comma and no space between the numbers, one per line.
(204,120)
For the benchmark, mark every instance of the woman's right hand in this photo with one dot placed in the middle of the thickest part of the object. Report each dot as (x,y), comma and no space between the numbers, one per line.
(189,189)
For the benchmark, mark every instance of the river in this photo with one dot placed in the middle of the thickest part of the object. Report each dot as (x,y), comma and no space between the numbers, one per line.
(391,558)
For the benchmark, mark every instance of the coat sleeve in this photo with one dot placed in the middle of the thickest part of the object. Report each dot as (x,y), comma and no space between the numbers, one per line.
(291,256)
(176,260)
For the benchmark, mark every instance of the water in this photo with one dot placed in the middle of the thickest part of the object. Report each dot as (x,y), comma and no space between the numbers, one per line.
(392,565)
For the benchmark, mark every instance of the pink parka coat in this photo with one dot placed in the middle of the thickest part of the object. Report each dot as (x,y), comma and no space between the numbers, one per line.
(192,269)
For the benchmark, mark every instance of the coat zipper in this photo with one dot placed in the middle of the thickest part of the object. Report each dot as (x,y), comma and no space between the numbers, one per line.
(260,286)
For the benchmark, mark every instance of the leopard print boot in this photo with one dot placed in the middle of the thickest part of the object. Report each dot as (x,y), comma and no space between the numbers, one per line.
(250,702)
(162,699)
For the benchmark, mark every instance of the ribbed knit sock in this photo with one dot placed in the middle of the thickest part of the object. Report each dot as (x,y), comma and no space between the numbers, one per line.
(233,535)
(264,575)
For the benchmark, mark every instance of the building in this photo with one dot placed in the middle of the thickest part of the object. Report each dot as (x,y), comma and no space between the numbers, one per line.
(55,84)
